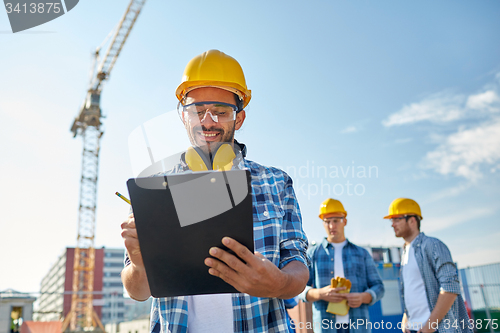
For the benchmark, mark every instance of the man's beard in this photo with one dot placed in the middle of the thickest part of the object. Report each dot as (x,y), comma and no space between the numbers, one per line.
(210,148)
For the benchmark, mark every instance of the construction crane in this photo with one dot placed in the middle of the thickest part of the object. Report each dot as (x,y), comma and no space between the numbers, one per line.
(87,124)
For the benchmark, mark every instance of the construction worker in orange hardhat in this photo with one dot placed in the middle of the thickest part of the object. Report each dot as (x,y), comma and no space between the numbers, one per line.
(336,258)
(430,287)
(212,96)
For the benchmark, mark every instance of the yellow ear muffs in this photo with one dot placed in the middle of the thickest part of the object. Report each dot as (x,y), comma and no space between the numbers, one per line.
(222,160)
(196,161)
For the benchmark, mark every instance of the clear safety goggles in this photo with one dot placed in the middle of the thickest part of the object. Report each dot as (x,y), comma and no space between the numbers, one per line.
(399,218)
(218,111)
(334,220)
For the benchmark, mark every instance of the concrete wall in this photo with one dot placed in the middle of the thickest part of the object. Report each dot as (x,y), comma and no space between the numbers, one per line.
(6,304)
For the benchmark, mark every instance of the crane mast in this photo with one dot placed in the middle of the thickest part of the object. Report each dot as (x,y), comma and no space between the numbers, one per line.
(87,123)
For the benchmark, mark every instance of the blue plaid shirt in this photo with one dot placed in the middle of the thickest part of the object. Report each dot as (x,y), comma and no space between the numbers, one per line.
(278,235)
(439,274)
(359,268)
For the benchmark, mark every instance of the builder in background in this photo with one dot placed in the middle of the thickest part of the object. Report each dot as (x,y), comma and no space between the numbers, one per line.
(430,287)
(334,257)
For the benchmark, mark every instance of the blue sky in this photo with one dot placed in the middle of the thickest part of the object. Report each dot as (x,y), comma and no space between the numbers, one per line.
(407,90)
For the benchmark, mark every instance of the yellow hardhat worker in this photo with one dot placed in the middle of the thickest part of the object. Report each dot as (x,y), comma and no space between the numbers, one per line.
(330,206)
(214,69)
(403,206)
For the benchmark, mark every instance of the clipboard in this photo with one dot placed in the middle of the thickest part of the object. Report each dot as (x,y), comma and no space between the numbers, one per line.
(180,217)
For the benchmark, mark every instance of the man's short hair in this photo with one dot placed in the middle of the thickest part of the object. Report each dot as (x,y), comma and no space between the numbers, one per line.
(239,102)
(418,219)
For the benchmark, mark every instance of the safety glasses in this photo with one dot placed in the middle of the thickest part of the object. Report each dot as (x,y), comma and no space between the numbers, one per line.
(335,220)
(218,111)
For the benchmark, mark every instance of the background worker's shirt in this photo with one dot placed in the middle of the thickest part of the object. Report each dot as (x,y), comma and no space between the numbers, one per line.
(415,294)
(278,235)
(359,268)
(439,273)
(338,270)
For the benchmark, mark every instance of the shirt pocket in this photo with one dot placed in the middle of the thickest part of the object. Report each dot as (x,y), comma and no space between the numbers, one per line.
(263,211)
(357,272)
(267,220)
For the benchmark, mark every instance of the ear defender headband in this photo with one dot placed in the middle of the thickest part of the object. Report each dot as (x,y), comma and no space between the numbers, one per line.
(222,159)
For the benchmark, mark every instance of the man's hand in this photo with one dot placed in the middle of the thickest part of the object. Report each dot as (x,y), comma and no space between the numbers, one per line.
(404,320)
(129,235)
(134,275)
(354,300)
(443,305)
(428,327)
(256,276)
(330,294)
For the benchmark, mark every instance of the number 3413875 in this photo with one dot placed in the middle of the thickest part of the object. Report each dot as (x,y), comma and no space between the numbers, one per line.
(33,8)
(471,323)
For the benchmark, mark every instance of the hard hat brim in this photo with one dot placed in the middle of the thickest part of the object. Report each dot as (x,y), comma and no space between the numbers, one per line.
(322,215)
(235,88)
(391,216)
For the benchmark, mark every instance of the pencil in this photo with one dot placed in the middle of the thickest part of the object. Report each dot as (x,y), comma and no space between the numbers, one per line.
(122,197)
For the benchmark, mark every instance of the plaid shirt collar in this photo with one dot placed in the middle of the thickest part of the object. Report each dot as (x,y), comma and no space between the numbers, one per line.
(416,242)
(325,243)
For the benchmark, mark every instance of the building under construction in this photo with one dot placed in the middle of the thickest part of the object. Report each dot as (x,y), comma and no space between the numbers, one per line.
(56,287)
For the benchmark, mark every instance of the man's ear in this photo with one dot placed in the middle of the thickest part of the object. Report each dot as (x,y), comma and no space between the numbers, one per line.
(413,221)
(240,118)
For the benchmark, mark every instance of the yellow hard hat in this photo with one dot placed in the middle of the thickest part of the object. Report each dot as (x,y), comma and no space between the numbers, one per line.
(331,206)
(214,69)
(403,206)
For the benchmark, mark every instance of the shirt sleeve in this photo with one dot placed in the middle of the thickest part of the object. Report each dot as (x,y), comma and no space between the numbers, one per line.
(155,324)
(446,271)
(375,284)
(294,243)
(312,277)
(126,261)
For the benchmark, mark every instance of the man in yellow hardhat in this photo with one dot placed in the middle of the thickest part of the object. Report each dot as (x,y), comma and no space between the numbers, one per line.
(335,257)
(212,97)
(430,288)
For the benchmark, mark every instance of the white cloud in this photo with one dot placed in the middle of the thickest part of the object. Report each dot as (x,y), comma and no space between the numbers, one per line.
(446,106)
(464,152)
(433,224)
(438,108)
(468,151)
(488,101)
(350,129)
(448,192)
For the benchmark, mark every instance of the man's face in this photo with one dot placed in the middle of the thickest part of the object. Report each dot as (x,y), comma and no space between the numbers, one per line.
(334,224)
(401,226)
(208,134)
